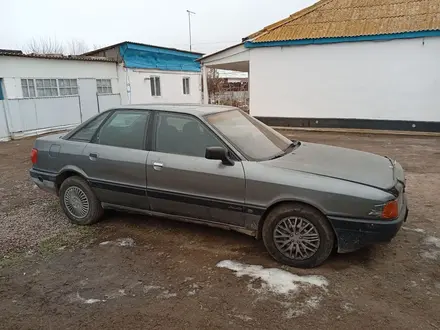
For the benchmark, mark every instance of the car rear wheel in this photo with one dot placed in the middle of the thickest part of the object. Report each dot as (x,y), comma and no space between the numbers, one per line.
(298,235)
(79,202)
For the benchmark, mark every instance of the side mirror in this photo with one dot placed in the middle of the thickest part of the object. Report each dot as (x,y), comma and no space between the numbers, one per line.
(219,153)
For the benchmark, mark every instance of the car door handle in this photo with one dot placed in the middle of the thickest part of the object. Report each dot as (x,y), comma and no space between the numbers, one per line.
(93,156)
(157,166)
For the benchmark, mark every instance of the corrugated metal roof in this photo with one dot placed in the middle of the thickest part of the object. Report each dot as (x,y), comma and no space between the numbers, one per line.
(137,43)
(353,18)
(57,56)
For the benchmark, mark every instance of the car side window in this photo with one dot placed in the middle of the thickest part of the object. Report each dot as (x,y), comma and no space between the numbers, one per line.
(86,133)
(125,129)
(183,135)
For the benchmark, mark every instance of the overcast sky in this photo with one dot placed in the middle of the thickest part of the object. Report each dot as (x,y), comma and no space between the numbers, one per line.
(216,25)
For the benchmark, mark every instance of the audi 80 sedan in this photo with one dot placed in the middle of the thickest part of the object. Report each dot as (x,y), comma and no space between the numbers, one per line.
(218,166)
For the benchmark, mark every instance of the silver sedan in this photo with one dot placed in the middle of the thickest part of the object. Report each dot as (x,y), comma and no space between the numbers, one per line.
(218,166)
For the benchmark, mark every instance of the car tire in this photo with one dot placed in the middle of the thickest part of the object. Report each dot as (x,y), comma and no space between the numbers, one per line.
(276,238)
(79,202)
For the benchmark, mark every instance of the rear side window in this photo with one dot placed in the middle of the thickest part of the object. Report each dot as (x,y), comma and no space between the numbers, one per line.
(86,133)
(125,129)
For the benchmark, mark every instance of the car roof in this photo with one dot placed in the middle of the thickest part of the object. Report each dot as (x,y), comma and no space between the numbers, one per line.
(194,109)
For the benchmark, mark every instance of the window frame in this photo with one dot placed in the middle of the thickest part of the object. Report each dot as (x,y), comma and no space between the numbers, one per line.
(75,86)
(188,88)
(58,88)
(28,88)
(100,81)
(154,78)
(148,127)
(46,88)
(155,121)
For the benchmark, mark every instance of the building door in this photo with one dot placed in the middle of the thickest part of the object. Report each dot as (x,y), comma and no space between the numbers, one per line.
(87,98)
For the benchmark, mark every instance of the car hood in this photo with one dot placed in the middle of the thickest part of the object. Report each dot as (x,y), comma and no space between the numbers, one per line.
(341,163)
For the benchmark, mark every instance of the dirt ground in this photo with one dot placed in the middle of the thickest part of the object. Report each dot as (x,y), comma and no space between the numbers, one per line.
(136,272)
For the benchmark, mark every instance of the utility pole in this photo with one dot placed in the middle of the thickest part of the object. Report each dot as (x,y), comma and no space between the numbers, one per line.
(189,26)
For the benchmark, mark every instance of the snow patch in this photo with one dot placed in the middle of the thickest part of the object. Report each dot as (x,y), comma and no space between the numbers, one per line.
(294,310)
(431,240)
(166,295)
(433,253)
(275,280)
(125,242)
(117,294)
(242,317)
(348,307)
(161,295)
(78,298)
(120,242)
(148,288)
(417,230)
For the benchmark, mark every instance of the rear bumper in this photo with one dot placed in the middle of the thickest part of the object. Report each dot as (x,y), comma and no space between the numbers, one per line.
(354,234)
(44,180)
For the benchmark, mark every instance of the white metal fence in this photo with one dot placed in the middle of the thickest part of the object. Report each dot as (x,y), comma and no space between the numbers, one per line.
(33,116)
(4,132)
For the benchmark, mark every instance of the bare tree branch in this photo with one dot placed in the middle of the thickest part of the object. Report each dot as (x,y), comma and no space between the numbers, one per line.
(44,46)
(77,47)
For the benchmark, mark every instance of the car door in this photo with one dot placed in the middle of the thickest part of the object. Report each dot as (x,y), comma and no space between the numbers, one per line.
(181,181)
(115,159)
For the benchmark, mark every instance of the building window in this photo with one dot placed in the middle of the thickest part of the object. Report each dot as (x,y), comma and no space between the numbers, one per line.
(28,87)
(155,86)
(46,87)
(68,87)
(186,86)
(104,86)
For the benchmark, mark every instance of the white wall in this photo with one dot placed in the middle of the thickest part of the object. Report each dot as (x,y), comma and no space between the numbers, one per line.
(398,79)
(13,68)
(137,82)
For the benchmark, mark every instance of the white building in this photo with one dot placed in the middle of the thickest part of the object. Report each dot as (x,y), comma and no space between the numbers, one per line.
(351,64)
(153,74)
(43,93)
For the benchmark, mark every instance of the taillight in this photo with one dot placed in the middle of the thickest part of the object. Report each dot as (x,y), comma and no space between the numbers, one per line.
(34,156)
(390,210)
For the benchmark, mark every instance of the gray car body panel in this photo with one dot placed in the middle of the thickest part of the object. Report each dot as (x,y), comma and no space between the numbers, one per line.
(341,183)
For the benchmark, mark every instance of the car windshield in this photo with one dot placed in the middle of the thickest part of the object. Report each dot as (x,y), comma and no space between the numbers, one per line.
(252,138)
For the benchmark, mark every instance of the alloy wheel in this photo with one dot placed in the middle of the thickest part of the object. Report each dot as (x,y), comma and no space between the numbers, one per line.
(76,202)
(296,238)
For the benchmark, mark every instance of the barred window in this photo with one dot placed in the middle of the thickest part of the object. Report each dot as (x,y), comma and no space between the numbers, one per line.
(104,86)
(68,87)
(155,86)
(46,87)
(186,85)
(28,87)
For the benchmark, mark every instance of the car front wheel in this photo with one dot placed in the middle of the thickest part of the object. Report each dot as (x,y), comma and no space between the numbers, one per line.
(79,202)
(298,235)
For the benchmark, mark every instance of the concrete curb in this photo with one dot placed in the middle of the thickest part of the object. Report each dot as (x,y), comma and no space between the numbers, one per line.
(356,131)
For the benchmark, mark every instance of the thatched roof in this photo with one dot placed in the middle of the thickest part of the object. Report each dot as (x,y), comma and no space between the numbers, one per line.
(353,18)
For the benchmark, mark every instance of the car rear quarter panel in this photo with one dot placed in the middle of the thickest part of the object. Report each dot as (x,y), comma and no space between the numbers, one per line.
(55,154)
(266,186)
